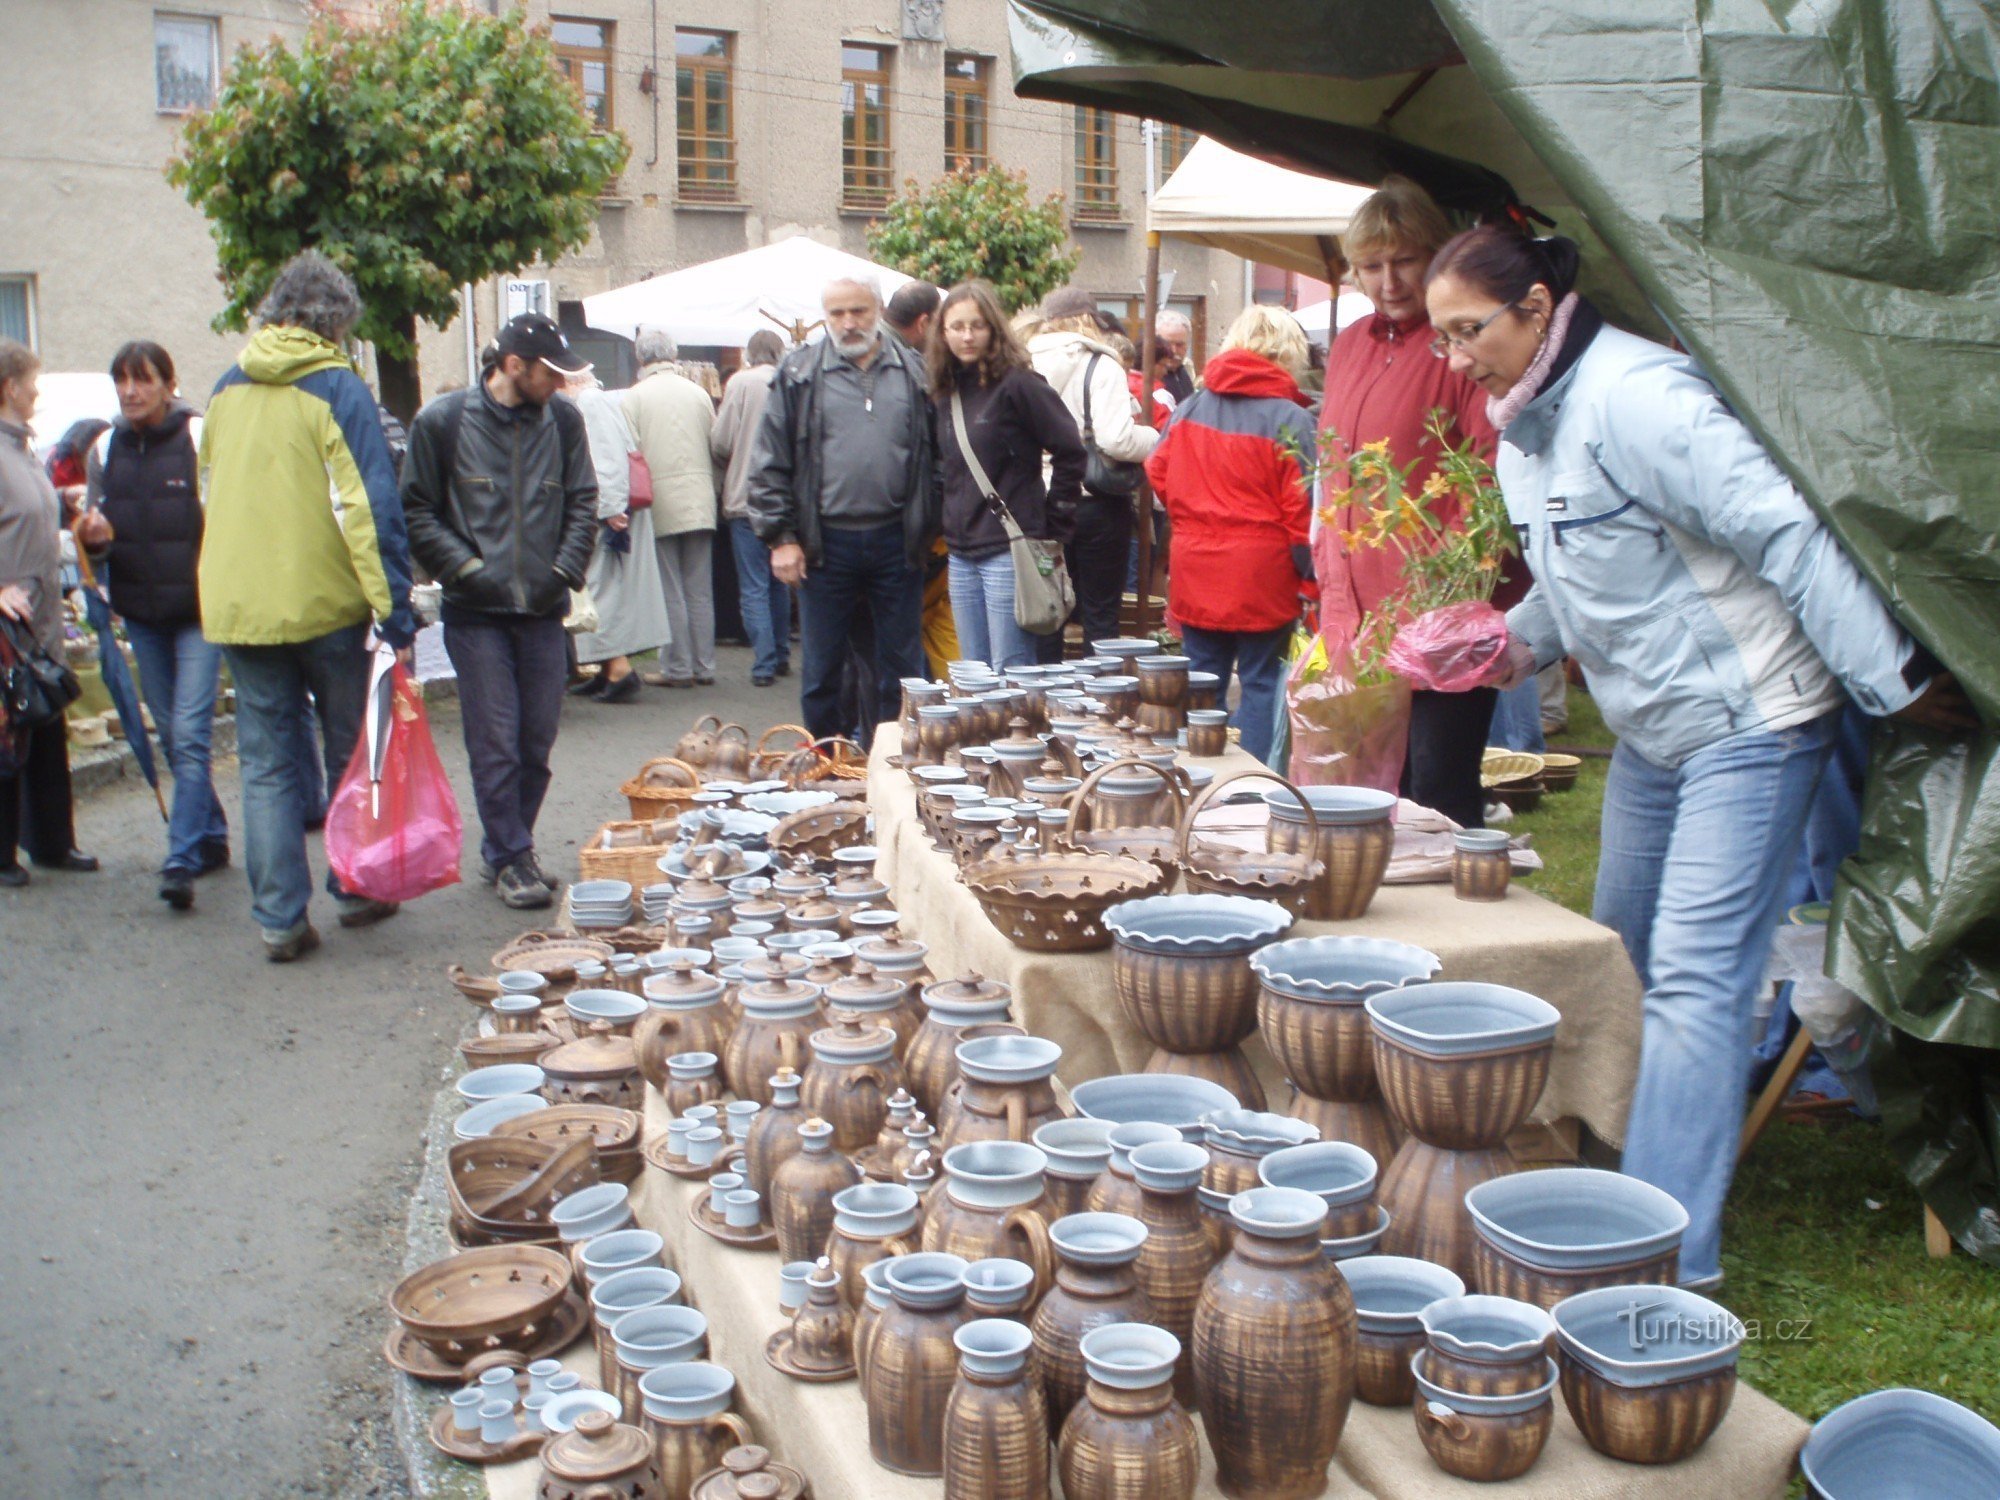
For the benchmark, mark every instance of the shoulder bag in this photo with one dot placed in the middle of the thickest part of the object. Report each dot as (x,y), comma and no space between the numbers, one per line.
(36,686)
(1043,593)
(1106,478)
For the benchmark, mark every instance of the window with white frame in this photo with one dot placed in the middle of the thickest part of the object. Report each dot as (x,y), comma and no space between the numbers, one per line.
(17,309)
(185,62)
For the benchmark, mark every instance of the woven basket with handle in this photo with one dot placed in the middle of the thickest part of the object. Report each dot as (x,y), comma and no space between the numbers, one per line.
(663,786)
(602,857)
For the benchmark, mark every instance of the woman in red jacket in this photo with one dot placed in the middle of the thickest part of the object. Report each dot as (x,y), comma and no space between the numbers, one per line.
(1228,472)
(1382,382)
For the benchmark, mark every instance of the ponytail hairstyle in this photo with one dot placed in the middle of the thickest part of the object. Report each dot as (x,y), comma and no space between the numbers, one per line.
(1504,264)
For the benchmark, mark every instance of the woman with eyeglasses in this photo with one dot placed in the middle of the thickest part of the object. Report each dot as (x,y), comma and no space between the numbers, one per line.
(1383,381)
(1721,629)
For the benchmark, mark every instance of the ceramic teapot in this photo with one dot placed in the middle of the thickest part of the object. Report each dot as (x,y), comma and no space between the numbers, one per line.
(730,754)
(850,1078)
(779,1015)
(697,746)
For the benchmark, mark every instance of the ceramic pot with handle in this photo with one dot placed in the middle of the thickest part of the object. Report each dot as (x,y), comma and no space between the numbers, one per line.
(802,1192)
(697,746)
(597,1068)
(779,1018)
(912,1362)
(687,1416)
(730,757)
(1129,1437)
(1008,1089)
(692,1079)
(931,1064)
(852,1074)
(1095,1287)
(1274,1350)
(871,1221)
(993,1206)
(996,1424)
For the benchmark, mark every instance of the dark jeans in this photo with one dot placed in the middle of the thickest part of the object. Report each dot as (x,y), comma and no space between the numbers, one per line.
(1447,743)
(856,567)
(275,753)
(178,671)
(511,671)
(1258,659)
(1096,556)
(766,604)
(41,790)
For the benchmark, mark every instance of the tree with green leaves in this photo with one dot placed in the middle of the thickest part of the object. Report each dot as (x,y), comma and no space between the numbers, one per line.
(427,148)
(977,225)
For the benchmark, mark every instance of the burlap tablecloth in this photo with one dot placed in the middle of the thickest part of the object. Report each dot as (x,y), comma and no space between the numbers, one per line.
(823,1429)
(1525,941)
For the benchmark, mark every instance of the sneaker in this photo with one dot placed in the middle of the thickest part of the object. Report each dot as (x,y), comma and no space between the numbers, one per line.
(784,669)
(177,889)
(294,945)
(366,913)
(520,888)
(535,869)
(488,872)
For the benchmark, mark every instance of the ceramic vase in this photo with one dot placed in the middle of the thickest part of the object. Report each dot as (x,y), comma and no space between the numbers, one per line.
(774,1136)
(993,1206)
(1129,1439)
(1095,1286)
(996,1424)
(1174,1261)
(912,1362)
(802,1192)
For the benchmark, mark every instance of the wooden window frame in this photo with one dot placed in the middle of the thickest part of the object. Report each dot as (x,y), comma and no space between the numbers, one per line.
(960,91)
(1174,138)
(1096,178)
(867,172)
(572,58)
(213,25)
(696,175)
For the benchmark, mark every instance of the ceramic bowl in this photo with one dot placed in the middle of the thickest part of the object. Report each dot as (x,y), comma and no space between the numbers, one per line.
(498,1082)
(784,804)
(1486,1330)
(690,1392)
(1647,1371)
(620,1250)
(1339,1172)
(1340,970)
(562,1411)
(1391,1290)
(1576,1218)
(600,892)
(616,1007)
(1197,925)
(1333,806)
(478,1121)
(1486,1406)
(1365,1242)
(1902,1445)
(591,1211)
(1007,1059)
(1098,1239)
(665,1334)
(1161,1098)
(1461,1018)
(624,1292)
(998,1282)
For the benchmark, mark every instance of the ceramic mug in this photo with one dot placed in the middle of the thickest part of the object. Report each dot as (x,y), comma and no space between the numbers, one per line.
(741,1114)
(740,1208)
(704,1144)
(538,1376)
(792,1285)
(531,1412)
(677,1136)
(465,1406)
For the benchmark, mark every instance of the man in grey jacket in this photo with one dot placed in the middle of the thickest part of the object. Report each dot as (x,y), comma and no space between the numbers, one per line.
(501,501)
(844,491)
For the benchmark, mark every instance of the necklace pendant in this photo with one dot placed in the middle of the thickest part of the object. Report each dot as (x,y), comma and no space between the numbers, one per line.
(868,403)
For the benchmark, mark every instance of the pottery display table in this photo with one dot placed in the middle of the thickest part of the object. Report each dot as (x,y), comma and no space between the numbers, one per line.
(1525,941)
(823,1429)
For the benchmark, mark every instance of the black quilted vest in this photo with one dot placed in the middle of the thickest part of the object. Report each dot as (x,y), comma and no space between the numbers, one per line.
(151,497)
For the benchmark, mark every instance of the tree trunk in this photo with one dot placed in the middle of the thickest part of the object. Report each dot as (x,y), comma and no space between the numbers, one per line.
(402,387)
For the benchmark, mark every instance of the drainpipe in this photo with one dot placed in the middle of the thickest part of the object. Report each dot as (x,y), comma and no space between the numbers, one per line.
(465,315)
(653,74)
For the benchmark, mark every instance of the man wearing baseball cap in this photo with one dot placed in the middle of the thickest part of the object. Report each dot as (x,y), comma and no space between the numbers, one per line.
(501,500)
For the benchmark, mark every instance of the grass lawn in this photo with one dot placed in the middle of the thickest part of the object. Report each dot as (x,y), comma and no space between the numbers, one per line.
(1823,1247)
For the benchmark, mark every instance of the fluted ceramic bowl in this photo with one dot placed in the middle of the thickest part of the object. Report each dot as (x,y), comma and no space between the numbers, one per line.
(1902,1445)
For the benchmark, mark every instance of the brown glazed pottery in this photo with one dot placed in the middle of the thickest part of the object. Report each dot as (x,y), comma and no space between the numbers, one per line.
(1480,864)
(1222,870)
(1495,1271)
(1348,830)
(887,999)
(1274,1350)
(871,1221)
(879,1160)
(1238,1140)
(750,1473)
(597,1068)
(1485,1346)
(1465,1103)
(497,1296)
(993,1207)
(1424,1190)
(615,1131)
(1488,1438)
(1175,1260)
(1115,1191)
(1655,1424)
(692,1079)
(931,1063)
(598,1459)
(1079,1152)
(1054,901)
(819,1344)
(773,1136)
(1007,1089)
(919,1144)
(850,1078)
(684,1013)
(996,1424)
(779,1015)
(802,1189)
(1095,1287)
(874,1299)
(688,1418)
(912,1362)
(1129,1438)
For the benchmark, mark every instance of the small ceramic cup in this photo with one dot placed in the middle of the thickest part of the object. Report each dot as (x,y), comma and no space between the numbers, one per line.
(792,1285)
(564,1381)
(704,1144)
(677,1136)
(705,1114)
(465,1406)
(538,1376)
(496,1421)
(741,1114)
(499,1382)
(531,1413)
(740,1209)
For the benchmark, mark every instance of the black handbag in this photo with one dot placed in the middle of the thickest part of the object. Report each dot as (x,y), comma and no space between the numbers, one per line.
(35,686)
(1106,478)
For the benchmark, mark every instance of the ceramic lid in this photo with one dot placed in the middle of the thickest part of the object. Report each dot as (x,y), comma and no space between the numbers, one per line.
(702,891)
(777,994)
(968,992)
(1020,744)
(682,984)
(815,910)
(891,953)
(862,882)
(774,966)
(852,1039)
(598,1450)
(597,1055)
(865,987)
(750,1473)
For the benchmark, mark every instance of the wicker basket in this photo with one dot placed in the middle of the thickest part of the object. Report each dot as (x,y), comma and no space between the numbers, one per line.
(636,863)
(767,762)
(1499,766)
(662,787)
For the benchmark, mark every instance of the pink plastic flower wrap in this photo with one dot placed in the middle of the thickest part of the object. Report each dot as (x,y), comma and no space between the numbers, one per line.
(1344,732)
(1452,649)
(397,838)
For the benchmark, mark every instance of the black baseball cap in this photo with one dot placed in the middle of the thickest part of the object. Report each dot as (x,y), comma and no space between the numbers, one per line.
(535,336)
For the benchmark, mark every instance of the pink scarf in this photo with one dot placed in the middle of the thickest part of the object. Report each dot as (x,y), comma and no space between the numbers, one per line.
(1500,410)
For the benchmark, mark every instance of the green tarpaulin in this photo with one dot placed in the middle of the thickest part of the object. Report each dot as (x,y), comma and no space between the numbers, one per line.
(1807,196)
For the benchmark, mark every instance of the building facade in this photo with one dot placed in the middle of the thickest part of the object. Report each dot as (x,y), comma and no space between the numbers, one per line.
(749,121)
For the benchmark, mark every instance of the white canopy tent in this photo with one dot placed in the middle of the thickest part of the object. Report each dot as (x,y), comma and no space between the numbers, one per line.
(1229,201)
(722,302)
(1322,320)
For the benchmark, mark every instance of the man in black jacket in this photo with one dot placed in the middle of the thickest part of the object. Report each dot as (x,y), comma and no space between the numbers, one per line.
(501,501)
(843,487)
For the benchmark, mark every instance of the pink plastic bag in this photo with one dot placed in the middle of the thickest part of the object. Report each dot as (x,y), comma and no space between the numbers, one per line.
(1344,732)
(395,837)
(1453,649)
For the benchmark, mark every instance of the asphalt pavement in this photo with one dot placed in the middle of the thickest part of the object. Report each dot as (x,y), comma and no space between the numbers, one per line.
(207,1160)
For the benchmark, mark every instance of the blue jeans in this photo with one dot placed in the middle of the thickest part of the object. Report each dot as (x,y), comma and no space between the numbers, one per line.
(982,609)
(765,603)
(1258,659)
(856,567)
(511,671)
(1517,719)
(178,672)
(271,686)
(1692,876)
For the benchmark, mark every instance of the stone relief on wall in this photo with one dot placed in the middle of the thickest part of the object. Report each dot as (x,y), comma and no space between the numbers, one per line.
(923,20)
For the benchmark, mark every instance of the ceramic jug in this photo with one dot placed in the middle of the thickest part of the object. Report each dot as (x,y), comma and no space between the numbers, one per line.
(687,1416)
(779,1015)
(684,1013)
(1129,1437)
(993,1204)
(1115,1191)
(850,1078)
(1095,1287)
(1079,1152)
(1008,1090)
(912,1362)
(802,1192)
(1274,1349)
(691,1080)
(774,1135)
(996,1423)
(871,1221)
(1176,1258)
(931,1064)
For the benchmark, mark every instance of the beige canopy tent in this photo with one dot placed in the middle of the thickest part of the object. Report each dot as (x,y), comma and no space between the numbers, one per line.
(1248,207)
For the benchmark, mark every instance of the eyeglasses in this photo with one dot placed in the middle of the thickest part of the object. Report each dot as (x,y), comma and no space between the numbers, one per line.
(1444,343)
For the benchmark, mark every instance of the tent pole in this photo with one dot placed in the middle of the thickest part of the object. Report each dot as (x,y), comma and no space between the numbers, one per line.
(1144,499)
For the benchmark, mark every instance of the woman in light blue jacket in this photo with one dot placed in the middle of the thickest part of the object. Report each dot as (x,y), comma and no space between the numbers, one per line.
(1720,627)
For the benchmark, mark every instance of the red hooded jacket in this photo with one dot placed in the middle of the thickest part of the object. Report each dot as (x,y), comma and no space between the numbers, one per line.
(1227,472)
